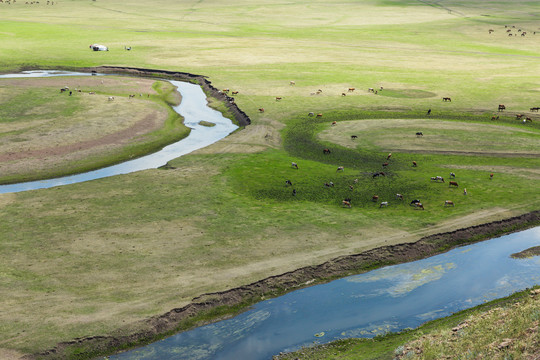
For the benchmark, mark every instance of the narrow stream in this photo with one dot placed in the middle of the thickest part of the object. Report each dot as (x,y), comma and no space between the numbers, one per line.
(193,108)
(387,299)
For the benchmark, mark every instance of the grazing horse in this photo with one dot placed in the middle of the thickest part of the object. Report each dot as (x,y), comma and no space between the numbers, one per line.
(334,123)
(385,164)
(465,191)
(375,198)
(495,117)
(329,184)
(131,96)
(378,174)
(225,90)
(446,99)
(340,168)
(294,165)
(383,204)
(91,93)
(351,89)
(502,107)
(429,112)
(491,30)
(371,90)
(419,205)
(414,164)
(346,203)
(491,176)
(319,115)
(311,114)
(527,119)
(351,187)
(449,203)
(294,192)
(536,108)
(354,137)
(278,98)
(261,110)
(288,182)
(419,133)
(399,196)
(292,83)
(343,94)
(235,92)
(326,151)
(453,183)
(414,202)
(452,175)
(111,98)
(519,116)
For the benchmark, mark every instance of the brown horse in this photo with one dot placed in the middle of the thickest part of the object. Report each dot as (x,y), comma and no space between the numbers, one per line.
(446,99)
(453,183)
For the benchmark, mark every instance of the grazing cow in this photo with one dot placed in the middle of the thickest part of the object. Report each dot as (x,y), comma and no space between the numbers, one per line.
(319,115)
(419,133)
(225,90)
(502,107)
(131,96)
(527,119)
(491,30)
(449,203)
(351,89)
(453,183)
(536,108)
(389,156)
(278,98)
(375,198)
(329,184)
(383,204)
(343,94)
(292,83)
(261,110)
(355,181)
(452,175)
(319,91)
(437,179)
(414,202)
(519,116)
(495,117)
(385,164)
(465,191)
(491,176)
(346,203)
(354,137)
(382,88)
(447,99)
(371,90)
(111,98)
(351,187)
(414,164)
(334,123)
(294,192)
(91,93)
(340,168)
(294,165)
(399,196)
(419,206)
(326,151)
(429,112)
(235,92)
(378,174)
(311,114)
(288,182)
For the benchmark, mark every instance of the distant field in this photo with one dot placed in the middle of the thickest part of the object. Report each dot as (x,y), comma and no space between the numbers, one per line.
(95,258)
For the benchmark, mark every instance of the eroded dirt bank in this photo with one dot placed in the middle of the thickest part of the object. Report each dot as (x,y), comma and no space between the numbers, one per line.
(240,117)
(169,322)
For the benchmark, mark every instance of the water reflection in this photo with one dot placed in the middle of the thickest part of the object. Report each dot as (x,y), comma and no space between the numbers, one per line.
(194,108)
(387,299)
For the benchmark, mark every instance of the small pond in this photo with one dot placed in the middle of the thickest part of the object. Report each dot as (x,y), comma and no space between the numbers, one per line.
(387,299)
(194,108)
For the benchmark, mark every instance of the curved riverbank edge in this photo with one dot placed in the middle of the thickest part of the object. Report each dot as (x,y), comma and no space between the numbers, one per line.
(240,117)
(220,304)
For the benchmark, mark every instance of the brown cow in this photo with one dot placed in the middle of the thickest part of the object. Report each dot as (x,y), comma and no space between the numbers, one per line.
(375,198)
(502,107)
(414,164)
(278,98)
(447,99)
(351,89)
(319,115)
(453,183)
(449,203)
(346,203)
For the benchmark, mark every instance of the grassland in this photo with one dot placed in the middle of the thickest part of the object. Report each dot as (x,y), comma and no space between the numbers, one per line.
(97,257)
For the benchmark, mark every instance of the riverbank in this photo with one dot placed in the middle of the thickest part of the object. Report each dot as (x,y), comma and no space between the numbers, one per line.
(214,306)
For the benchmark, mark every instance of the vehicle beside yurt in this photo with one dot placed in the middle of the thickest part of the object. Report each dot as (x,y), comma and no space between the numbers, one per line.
(98,47)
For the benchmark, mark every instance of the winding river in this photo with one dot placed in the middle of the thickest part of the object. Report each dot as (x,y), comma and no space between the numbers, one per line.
(387,299)
(193,108)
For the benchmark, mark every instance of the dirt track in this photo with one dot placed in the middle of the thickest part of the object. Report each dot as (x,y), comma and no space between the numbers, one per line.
(277,285)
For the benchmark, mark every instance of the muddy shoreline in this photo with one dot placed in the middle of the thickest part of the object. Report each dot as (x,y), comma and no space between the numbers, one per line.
(166,324)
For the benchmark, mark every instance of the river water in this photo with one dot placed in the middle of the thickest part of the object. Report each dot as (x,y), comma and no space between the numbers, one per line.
(193,108)
(387,299)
